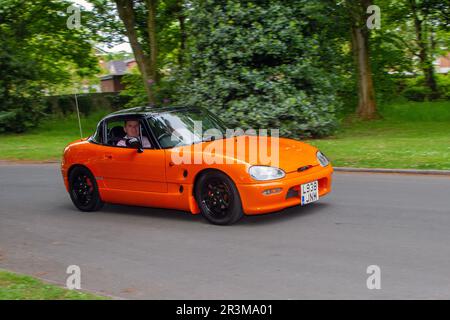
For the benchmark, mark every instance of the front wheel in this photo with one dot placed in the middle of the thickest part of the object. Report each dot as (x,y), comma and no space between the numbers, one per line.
(83,190)
(218,198)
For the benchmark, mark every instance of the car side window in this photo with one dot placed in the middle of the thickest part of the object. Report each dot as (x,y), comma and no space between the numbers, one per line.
(114,132)
(97,137)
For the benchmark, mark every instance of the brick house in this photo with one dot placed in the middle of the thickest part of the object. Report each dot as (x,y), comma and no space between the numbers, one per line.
(112,82)
(443,64)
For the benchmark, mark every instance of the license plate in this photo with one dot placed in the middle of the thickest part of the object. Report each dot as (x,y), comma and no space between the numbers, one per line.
(309,192)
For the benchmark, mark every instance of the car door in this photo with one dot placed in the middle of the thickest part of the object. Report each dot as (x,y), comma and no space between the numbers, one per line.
(124,168)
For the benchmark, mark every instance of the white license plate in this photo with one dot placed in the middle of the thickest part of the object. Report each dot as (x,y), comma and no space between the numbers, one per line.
(309,192)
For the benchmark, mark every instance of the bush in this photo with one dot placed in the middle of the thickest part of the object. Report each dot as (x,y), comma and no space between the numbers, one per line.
(88,103)
(262,65)
(117,101)
(22,115)
(134,90)
(136,96)
(416,90)
(417,93)
(444,86)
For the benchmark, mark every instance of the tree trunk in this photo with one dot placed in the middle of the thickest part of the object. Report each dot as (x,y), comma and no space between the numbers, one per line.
(181,19)
(151,26)
(126,14)
(426,63)
(366,108)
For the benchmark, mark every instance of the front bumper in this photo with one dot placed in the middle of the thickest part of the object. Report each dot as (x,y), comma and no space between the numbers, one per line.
(255,202)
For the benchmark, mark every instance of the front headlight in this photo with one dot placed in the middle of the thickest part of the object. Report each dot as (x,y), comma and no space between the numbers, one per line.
(323,160)
(265,173)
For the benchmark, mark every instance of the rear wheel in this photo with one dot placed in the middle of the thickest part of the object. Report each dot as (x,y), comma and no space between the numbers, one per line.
(218,198)
(83,190)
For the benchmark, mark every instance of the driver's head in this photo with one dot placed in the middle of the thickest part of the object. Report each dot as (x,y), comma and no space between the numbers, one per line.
(131,128)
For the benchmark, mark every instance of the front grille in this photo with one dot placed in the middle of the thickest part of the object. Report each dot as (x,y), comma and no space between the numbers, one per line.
(293,192)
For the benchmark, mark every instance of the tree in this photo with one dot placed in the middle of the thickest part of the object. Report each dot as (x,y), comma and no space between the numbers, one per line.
(428,15)
(38,51)
(147,62)
(155,31)
(355,10)
(420,29)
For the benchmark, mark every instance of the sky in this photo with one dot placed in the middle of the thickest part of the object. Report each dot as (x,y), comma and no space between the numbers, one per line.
(125,46)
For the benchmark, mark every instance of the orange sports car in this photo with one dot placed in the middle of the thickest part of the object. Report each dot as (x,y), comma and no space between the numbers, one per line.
(185,158)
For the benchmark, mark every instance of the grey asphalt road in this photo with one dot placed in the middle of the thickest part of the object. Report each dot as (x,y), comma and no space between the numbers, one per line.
(399,222)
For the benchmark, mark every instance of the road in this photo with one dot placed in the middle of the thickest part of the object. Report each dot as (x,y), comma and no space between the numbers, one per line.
(400,223)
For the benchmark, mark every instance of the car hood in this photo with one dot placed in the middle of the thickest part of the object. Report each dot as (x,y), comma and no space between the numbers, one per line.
(256,150)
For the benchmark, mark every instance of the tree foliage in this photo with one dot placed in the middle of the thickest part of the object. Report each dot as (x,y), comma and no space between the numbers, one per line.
(38,51)
(155,31)
(413,34)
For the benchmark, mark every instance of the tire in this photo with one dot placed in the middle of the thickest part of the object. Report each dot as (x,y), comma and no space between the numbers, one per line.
(83,190)
(218,198)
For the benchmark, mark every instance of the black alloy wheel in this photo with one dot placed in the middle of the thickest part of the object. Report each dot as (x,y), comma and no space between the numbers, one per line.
(83,190)
(218,198)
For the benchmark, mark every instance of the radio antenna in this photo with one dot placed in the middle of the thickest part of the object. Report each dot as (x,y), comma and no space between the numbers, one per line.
(78,114)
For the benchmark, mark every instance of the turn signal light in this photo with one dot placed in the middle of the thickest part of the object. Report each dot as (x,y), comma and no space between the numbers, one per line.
(272,191)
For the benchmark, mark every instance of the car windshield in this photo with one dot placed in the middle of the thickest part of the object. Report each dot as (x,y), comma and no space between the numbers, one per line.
(185,127)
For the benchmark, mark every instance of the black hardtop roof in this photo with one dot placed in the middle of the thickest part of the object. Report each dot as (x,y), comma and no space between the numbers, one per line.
(147,111)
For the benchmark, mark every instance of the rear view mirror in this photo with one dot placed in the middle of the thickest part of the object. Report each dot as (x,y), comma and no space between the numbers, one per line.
(135,143)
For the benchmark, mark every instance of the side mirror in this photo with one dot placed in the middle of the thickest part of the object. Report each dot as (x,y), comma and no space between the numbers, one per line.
(135,143)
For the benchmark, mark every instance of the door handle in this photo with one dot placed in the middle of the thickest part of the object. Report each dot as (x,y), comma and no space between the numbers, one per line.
(108,156)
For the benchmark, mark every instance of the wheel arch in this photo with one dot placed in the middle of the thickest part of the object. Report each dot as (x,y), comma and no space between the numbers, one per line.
(95,192)
(204,171)
(241,210)
(77,165)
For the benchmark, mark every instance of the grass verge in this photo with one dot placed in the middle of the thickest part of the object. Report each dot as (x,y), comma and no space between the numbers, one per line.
(410,135)
(21,287)
(47,141)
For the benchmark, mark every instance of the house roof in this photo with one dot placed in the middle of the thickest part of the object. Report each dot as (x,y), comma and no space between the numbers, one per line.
(117,67)
(129,60)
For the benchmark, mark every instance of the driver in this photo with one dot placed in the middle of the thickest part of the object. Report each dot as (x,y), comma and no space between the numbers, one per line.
(131,129)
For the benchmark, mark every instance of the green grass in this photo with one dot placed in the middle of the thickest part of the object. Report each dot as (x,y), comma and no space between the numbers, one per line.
(48,140)
(409,135)
(20,287)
